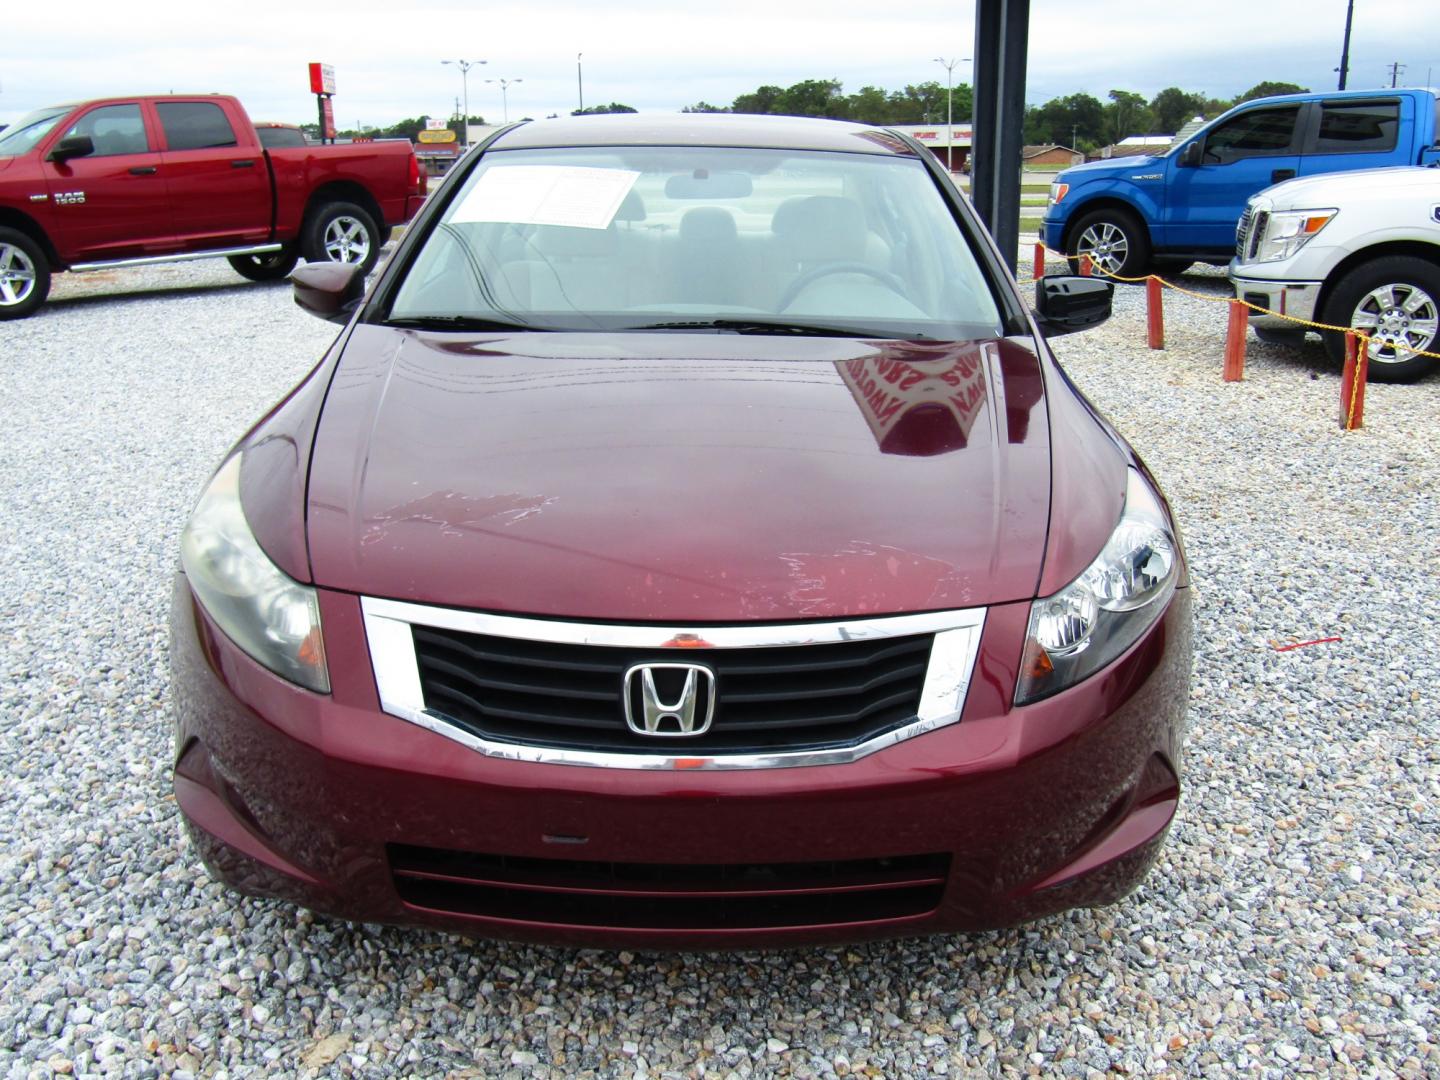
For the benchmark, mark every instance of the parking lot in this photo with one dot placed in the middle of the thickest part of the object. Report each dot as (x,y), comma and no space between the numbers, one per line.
(1290,927)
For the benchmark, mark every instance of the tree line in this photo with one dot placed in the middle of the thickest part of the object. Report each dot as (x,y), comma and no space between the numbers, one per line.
(1078,120)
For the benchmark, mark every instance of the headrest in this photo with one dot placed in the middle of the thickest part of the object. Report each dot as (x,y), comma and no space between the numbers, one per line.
(707,225)
(631,207)
(821,227)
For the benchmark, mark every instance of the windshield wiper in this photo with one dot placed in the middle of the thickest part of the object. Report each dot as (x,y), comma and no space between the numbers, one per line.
(775,326)
(458,322)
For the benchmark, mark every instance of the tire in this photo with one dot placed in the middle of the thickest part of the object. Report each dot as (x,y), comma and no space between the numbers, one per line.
(270,267)
(1116,242)
(341,232)
(24,275)
(1397,299)
(1168,264)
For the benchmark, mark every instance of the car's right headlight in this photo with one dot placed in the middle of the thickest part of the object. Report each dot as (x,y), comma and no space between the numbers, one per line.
(274,618)
(1058,191)
(1086,625)
(1286,231)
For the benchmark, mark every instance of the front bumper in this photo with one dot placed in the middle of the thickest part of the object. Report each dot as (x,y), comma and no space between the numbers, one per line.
(1013,813)
(1295,299)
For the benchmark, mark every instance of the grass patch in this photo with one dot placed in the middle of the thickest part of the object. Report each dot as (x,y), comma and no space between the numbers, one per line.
(1030,224)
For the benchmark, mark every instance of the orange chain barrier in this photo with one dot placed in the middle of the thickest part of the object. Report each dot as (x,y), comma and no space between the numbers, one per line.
(1357,344)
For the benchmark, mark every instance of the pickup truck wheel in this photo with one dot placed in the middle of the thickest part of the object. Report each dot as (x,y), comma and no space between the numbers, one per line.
(1115,241)
(1396,301)
(271,267)
(24,275)
(342,232)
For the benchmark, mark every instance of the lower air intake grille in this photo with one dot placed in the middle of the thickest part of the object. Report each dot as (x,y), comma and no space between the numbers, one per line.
(669,897)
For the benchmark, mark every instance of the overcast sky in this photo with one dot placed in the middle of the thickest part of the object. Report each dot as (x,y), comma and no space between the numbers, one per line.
(656,56)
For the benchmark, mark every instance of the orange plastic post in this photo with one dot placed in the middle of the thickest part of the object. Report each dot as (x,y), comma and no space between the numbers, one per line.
(1155,311)
(1039,261)
(1235,342)
(1352,383)
(1085,266)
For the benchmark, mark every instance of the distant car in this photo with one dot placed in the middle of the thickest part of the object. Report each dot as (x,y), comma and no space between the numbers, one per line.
(274,136)
(691,541)
(1359,249)
(131,181)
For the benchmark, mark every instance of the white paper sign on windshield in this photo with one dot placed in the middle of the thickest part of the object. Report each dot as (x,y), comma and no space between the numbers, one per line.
(571,195)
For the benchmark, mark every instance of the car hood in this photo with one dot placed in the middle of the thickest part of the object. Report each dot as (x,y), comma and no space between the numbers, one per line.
(1366,185)
(680,476)
(1096,170)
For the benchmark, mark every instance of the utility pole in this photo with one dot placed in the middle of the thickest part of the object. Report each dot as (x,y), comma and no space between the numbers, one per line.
(580,80)
(465,66)
(1395,70)
(1344,67)
(949,66)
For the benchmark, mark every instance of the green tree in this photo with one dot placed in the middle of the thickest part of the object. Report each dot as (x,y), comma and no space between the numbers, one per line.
(1075,120)
(813,97)
(1271,89)
(924,103)
(600,110)
(1127,114)
(705,107)
(1173,108)
(765,99)
(870,105)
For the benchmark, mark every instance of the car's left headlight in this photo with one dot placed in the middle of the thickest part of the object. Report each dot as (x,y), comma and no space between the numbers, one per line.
(274,618)
(1100,614)
(1058,191)
(1287,231)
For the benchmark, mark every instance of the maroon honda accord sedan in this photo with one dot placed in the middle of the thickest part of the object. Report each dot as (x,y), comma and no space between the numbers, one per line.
(689,541)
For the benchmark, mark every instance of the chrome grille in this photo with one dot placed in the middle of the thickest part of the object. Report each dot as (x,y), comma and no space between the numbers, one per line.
(572,696)
(561,692)
(1242,232)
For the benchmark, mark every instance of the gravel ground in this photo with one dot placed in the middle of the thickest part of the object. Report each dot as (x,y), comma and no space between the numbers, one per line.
(1290,928)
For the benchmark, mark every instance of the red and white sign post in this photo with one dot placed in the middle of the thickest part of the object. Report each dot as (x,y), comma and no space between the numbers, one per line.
(322,85)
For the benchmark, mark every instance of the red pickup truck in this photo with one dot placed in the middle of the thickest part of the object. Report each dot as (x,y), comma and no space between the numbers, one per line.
(133,180)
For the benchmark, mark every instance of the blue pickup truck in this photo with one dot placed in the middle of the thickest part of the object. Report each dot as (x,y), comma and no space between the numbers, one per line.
(1134,214)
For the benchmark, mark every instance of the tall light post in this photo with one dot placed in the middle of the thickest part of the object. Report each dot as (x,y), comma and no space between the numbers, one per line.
(580,80)
(465,66)
(505,84)
(949,66)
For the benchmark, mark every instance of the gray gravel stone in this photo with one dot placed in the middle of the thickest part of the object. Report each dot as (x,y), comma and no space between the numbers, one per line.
(1290,927)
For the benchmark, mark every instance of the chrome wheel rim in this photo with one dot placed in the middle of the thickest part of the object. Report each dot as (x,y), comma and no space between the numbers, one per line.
(1106,244)
(346,240)
(1399,319)
(17,276)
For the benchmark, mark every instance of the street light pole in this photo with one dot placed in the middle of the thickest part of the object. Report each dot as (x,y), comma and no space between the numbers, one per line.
(505,85)
(949,66)
(580,80)
(465,66)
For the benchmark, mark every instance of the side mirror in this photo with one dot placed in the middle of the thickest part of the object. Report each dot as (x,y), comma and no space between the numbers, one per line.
(328,290)
(1066,303)
(1190,157)
(72,146)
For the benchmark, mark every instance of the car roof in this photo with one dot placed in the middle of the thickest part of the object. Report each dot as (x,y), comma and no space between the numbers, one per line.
(703,129)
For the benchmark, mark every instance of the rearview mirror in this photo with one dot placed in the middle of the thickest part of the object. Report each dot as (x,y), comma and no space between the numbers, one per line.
(1190,155)
(72,146)
(1068,302)
(328,290)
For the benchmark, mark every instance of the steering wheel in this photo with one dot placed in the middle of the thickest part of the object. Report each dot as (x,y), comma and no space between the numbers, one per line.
(805,280)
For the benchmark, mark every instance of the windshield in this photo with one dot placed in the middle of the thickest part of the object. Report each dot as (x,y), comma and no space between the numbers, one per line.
(680,237)
(21,136)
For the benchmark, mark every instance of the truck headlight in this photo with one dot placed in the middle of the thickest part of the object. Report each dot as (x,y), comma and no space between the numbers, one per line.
(1287,231)
(1100,614)
(1058,191)
(273,618)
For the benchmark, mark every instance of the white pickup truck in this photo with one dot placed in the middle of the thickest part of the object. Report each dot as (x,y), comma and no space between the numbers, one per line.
(1358,249)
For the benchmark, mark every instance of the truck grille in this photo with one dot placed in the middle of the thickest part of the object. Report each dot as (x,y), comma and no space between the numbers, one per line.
(571,696)
(1250,232)
(662,896)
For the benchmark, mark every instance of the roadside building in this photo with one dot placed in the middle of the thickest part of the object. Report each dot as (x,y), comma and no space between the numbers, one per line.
(953,149)
(1051,154)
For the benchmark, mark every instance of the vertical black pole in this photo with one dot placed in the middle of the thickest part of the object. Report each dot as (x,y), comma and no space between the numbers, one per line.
(1002,30)
(320,108)
(1345,48)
